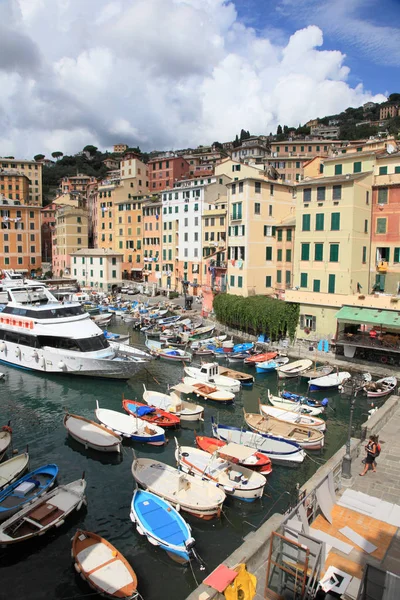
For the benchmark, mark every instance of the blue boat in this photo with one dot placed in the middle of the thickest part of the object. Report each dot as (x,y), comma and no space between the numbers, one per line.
(26,489)
(304,399)
(270,365)
(243,347)
(162,525)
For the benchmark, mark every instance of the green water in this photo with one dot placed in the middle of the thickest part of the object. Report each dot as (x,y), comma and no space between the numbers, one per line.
(42,569)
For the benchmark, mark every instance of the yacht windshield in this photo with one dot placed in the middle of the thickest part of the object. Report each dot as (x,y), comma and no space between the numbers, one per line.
(57,312)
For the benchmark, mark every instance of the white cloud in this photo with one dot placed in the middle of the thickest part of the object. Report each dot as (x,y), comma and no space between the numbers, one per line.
(158,73)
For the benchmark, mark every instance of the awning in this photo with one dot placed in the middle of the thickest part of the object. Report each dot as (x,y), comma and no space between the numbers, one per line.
(139,270)
(183,388)
(370,316)
(236,451)
(20,270)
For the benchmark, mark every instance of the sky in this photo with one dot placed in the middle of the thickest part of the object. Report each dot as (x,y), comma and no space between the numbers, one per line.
(169,74)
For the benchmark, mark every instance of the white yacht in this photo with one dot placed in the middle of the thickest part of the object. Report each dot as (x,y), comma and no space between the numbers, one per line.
(39,333)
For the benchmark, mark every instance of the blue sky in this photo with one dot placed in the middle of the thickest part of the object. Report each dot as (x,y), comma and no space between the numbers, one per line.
(367,31)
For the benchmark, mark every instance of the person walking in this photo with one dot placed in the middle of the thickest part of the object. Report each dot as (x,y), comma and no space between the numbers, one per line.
(372,452)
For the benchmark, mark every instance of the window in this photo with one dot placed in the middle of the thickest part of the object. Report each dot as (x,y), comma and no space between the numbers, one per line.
(364,254)
(318,252)
(279,255)
(237,210)
(240,281)
(268,253)
(396,258)
(196,207)
(381,225)
(240,187)
(366,226)
(297,164)
(331,284)
(288,235)
(383,170)
(338,169)
(320,193)
(307,195)
(319,222)
(288,277)
(232,281)
(382,195)
(186,237)
(335,221)
(279,235)
(334,253)
(397,169)
(279,276)
(257,208)
(268,281)
(303,280)
(288,255)
(305,251)
(306,223)
(316,285)
(114,274)
(337,192)
(270,210)
(357,167)
(257,187)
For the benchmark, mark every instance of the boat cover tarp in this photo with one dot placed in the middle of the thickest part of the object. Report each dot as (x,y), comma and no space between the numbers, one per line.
(140,411)
(237,451)
(371,316)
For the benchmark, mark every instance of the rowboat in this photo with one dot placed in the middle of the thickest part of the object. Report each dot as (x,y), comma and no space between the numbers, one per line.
(294,369)
(277,449)
(173,403)
(209,392)
(130,427)
(328,381)
(26,489)
(208,341)
(91,434)
(237,357)
(317,372)
(382,387)
(307,438)
(271,365)
(203,351)
(235,453)
(173,354)
(237,481)
(150,414)
(163,526)
(200,332)
(296,402)
(209,373)
(103,567)
(263,356)
(194,496)
(12,469)
(5,439)
(244,378)
(292,417)
(48,511)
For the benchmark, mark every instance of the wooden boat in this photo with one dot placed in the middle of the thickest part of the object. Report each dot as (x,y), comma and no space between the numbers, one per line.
(294,369)
(5,439)
(203,351)
(292,417)
(209,392)
(173,354)
(236,357)
(208,341)
(12,469)
(209,373)
(271,365)
(307,438)
(104,568)
(279,450)
(235,480)
(244,378)
(296,402)
(162,525)
(201,332)
(380,388)
(131,427)
(173,402)
(91,434)
(317,372)
(49,511)
(235,453)
(328,381)
(195,496)
(263,356)
(150,414)
(26,489)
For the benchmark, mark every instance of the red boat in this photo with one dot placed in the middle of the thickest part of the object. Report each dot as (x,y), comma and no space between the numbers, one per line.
(156,416)
(255,460)
(255,358)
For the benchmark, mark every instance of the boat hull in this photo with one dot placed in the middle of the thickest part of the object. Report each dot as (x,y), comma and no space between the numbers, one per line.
(88,443)
(301,440)
(159,417)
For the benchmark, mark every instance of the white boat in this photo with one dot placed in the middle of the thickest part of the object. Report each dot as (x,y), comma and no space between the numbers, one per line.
(209,392)
(201,331)
(187,411)
(12,469)
(292,405)
(195,496)
(91,434)
(5,439)
(380,388)
(163,351)
(307,438)
(294,369)
(102,319)
(130,427)
(328,381)
(209,373)
(48,511)
(209,341)
(290,416)
(48,336)
(234,479)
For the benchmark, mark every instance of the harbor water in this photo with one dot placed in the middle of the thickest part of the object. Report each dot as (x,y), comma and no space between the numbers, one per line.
(42,569)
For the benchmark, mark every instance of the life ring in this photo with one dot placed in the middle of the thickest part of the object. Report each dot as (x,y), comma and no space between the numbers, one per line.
(6,428)
(384,359)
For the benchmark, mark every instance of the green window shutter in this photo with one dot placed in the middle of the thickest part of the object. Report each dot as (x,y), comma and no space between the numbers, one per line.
(288,255)
(288,277)
(169,254)
(240,281)
(357,167)
(268,281)
(316,285)
(397,169)
(196,207)
(338,169)
(383,170)
(120,245)
(306,223)
(186,208)
(279,276)
(331,284)
(381,225)
(239,210)
(382,196)
(279,255)
(268,253)
(280,233)
(396,258)
(164,254)
(335,221)
(319,252)
(288,235)
(303,280)
(334,253)
(101,273)
(305,251)
(273,230)
(232,281)
(364,254)
(319,222)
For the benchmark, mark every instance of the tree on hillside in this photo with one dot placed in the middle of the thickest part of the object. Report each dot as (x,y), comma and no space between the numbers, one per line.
(236,141)
(91,149)
(394,126)
(57,154)
(279,130)
(394,98)
(11,157)
(218,145)
(244,135)
(38,157)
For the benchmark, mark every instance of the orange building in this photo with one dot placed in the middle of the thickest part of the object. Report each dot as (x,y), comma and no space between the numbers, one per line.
(48,223)
(151,233)
(14,185)
(20,245)
(77,183)
(163,172)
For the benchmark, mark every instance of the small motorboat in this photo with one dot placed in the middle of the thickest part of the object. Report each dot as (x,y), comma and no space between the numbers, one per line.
(162,525)
(12,469)
(380,388)
(297,402)
(201,332)
(244,378)
(236,453)
(131,427)
(277,449)
(48,511)
(307,438)
(235,480)
(161,351)
(26,489)
(262,357)
(173,402)
(209,373)
(271,365)
(236,357)
(116,337)
(5,439)
(295,417)
(150,414)
(195,496)
(104,568)
(203,351)
(91,434)
(328,381)
(294,369)
(317,372)
(209,392)
(208,342)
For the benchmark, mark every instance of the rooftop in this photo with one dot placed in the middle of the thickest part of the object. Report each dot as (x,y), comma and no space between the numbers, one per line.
(351,155)
(96,252)
(334,179)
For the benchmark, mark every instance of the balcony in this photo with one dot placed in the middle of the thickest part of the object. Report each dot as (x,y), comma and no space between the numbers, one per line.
(235,217)
(382,266)
(387,179)
(219,264)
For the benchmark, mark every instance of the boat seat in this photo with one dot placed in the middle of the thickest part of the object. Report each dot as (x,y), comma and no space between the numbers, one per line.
(111,577)
(42,511)
(94,556)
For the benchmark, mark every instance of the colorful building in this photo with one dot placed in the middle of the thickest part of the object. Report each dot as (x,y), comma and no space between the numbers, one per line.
(70,235)
(32,170)
(20,239)
(119,148)
(97,268)
(152,231)
(164,172)
(76,184)
(14,185)
(215,264)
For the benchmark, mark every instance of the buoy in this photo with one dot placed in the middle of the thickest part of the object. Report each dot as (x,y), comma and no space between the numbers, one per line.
(2,347)
(17,352)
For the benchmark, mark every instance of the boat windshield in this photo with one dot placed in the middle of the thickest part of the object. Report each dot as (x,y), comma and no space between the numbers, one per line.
(91,344)
(57,312)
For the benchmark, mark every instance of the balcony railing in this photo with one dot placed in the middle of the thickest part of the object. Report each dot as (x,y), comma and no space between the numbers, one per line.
(237,217)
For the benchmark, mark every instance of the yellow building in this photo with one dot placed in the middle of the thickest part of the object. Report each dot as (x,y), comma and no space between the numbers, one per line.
(119,148)
(70,234)
(136,171)
(285,236)
(349,164)
(238,170)
(33,170)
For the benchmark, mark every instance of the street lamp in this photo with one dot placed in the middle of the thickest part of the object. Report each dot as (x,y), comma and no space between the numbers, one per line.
(346,464)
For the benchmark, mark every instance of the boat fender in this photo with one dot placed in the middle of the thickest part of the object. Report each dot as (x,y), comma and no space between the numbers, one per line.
(17,352)
(59,523)
(153,541)
(178,507)
(2,347)
(61,365)
(324,402)
(139,530)
(77,568)
(35,354)
(228,489)
(41,361)
(79,505)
